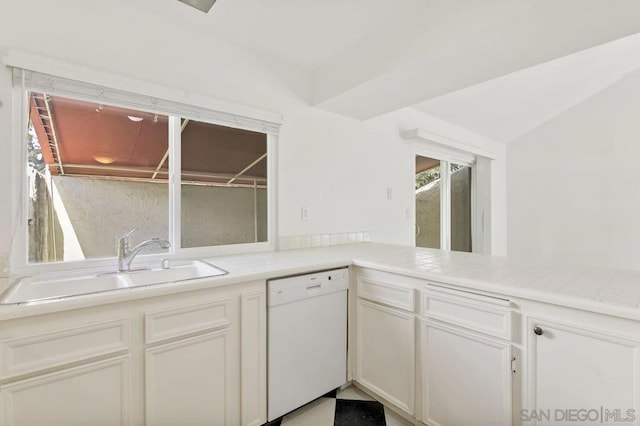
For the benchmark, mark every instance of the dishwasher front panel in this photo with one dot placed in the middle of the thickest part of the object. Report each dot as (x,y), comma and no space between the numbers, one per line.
(307,350)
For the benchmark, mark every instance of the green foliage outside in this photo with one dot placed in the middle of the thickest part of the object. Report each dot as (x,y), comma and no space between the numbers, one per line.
(431,175)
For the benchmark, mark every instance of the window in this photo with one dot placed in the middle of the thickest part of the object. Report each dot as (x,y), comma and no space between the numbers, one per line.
(443,204)
(224,185)
(93,173)
(101,162)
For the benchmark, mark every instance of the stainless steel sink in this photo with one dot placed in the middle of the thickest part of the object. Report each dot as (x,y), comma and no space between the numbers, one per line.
(53,286)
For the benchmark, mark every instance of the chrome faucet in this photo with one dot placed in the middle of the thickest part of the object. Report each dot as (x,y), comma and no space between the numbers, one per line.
(126,256)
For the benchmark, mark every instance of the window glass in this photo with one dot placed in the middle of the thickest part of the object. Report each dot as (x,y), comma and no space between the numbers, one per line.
(460,208)
(94,172)
(224,185)
(427,192)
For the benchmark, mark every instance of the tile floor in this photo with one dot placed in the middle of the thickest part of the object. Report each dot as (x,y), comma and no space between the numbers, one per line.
(349,407)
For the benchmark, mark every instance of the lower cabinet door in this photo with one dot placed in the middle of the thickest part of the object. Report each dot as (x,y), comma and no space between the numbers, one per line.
(386,353)
(578,375)
(92,394)
(466,378)
(187,382)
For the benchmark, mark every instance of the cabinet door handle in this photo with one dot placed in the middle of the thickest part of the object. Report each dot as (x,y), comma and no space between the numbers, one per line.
(538,330)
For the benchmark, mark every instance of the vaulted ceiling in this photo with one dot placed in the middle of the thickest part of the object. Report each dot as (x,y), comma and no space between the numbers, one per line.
(507,107)
(497,67)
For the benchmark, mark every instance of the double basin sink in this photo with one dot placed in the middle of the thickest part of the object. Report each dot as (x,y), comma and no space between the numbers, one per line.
(55,286)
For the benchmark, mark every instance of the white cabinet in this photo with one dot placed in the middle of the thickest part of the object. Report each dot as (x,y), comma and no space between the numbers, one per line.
(486,359)
(187,381)
(385,338)
(196,358)
(386,351)
(253,358)
(466,379)
(67,371)
(59,344)
(92,394)
(580,367)
(465,358)
(205,363)
(188,376)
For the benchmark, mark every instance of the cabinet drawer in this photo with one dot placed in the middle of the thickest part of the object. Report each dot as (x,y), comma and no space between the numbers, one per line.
(386,293)
(473,311)
(388,289)
(58,347)
(182,321)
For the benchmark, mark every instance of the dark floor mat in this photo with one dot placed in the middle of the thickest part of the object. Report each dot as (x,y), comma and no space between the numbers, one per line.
(351,412)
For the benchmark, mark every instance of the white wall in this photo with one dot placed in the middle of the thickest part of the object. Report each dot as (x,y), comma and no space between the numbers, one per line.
(339,171)
(574,183)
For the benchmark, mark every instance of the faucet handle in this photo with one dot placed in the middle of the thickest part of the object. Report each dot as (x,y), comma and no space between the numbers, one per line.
(124,239)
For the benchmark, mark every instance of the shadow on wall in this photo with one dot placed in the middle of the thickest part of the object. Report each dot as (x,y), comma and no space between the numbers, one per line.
(45,233)
(428,212)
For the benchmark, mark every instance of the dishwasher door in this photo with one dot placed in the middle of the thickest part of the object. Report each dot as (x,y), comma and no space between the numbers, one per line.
(307,340)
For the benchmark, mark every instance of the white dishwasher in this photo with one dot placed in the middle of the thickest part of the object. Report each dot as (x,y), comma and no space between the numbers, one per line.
(307,340)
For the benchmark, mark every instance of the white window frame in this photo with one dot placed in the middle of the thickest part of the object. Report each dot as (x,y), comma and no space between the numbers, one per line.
(446,158)
(199,112)
(436,145)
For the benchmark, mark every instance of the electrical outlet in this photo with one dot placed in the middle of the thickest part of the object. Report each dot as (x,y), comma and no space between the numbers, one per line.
(304,213)
(389,194)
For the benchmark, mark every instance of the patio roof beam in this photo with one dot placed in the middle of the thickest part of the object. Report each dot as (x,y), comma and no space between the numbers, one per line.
(247,168)
(53,134)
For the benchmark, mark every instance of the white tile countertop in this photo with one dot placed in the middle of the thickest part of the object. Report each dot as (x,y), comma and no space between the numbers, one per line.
(608,291)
